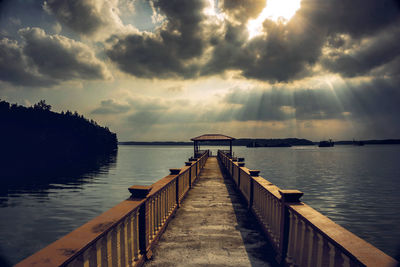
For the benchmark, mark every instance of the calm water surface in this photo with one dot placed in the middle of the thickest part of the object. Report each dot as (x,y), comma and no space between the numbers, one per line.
(35,216)
(356,187)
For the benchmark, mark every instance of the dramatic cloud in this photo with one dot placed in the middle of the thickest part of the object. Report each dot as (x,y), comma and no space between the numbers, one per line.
(362,57)
(186,46)
(86,17)
(16,68)
(357,17)
(288,51)
(168,52)
(45,60)
(195,38)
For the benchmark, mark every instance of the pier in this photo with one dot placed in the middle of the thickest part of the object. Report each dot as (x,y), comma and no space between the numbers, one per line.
(212,211)
(212,227)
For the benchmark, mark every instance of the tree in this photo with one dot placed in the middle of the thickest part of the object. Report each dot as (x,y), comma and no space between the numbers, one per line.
(41,105)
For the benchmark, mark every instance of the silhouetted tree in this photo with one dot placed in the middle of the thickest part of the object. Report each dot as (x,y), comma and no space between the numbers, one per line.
(42,105)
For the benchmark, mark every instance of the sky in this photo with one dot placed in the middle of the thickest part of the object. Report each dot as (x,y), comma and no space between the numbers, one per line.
(175,69)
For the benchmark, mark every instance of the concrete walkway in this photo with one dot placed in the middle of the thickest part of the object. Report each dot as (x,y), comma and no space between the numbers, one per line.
(212,228)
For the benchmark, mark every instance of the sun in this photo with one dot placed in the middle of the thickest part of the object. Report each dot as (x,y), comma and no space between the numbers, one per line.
(274,10)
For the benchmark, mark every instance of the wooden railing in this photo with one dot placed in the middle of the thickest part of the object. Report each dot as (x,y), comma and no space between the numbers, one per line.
(300,235)
(125,234)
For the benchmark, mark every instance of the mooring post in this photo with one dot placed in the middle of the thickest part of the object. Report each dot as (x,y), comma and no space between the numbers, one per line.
(287,197)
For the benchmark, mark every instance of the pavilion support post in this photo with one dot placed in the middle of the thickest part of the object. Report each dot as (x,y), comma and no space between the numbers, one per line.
(230,148)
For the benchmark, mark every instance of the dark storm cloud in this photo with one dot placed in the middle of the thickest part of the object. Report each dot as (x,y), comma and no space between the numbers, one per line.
(46,60)
(61,58)
(379,51)
(81,16)
(15,66)
(356,17)
(284,53)
(167,52)
(289,51)
(111,107)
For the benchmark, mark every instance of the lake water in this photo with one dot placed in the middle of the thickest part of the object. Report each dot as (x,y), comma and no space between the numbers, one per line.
(357,187)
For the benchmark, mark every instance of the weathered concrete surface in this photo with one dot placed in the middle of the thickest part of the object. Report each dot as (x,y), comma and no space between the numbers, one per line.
(212,228)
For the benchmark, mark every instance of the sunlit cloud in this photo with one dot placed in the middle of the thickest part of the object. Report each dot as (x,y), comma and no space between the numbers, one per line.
(276,10)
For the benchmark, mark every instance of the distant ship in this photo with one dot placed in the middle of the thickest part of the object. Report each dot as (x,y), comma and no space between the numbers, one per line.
(329,143)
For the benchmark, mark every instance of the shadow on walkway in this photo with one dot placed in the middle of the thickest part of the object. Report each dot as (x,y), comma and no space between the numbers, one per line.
(257,246)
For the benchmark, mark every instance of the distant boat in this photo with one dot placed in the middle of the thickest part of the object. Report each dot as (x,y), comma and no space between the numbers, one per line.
(329,143)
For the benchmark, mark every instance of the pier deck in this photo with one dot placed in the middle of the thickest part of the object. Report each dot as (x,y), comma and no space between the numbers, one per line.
(212,227)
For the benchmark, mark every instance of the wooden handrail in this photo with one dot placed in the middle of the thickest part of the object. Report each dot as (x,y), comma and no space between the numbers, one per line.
(300,235)
(125,234)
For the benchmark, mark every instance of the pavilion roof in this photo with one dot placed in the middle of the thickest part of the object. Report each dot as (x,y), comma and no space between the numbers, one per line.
(212,137)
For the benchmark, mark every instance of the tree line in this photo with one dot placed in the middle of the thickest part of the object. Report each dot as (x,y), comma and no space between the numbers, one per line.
(36,136)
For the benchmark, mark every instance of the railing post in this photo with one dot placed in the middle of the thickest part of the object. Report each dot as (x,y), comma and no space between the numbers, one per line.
(176,172)
(188,163)
(241,164)
(253,173)
(288,197)
(233,166)
(138,191)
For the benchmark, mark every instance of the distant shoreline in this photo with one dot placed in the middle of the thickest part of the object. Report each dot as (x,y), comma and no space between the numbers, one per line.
(244,142)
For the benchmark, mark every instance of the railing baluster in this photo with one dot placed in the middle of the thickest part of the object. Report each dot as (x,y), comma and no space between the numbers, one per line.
(331,255)
(290,250)
(99,258)
(158,209)
(346,260)
(132,236)
(296,238)
(110,248)
(320,249)
(310,238)
(119,256)
(86,258)
(126,242)
(302,243)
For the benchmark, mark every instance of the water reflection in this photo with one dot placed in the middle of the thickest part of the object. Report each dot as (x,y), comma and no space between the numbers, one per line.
(21,179)
(40,209)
